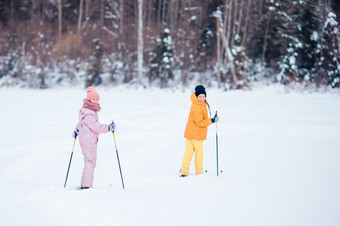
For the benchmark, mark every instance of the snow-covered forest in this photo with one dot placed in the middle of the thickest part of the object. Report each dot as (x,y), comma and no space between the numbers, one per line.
(165,43)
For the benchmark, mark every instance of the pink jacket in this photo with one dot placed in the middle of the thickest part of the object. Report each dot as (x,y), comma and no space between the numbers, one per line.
(89,126)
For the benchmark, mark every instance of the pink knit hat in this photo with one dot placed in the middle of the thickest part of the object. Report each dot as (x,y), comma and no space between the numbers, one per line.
(92,94)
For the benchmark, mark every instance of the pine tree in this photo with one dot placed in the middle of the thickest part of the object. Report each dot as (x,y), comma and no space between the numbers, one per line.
(161,59)
(242,62)
(330,60)
(309,54)
(271,34)
(289,69)
(95,64)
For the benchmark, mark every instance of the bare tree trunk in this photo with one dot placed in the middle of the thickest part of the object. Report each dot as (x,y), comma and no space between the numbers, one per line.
(180,14)
(226,23)
(229,56)
(218,54)
(240,17)
(246,21)
(159,12)
(230,59)
(135,16)
(41,6)
(87,8)
(265,40)
(175,14)
(80,16)
(147,13)
(140,41)
(102,13)
(169,13)
(163,11)
(121,19)
(226,5)
(60,16)
(12,10)
(234,25)
(229,27)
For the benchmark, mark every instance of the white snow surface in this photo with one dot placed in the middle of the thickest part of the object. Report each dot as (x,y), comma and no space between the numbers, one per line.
(279,152)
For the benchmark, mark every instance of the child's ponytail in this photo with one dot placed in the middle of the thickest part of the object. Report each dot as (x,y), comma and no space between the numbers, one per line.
(208,107)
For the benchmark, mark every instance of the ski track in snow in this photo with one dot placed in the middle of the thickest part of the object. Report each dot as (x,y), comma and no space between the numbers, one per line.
(279,153)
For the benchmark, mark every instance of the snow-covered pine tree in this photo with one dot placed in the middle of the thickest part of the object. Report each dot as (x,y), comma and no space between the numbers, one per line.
(271,34)
(330,59)
(309,54)
(95,64)
(9,64)
(161,59)
(289,70)
(242,63)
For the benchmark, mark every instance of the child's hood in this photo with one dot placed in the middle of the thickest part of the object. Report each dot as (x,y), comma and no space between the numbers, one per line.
(195,100)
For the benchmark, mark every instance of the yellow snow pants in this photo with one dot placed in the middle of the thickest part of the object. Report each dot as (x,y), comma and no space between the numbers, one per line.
(193,146)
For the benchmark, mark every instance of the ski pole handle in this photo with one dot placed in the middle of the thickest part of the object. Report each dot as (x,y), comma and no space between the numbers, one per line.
(216,118)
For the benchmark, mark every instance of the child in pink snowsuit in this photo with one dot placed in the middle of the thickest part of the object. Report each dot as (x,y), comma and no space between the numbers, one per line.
(88,129)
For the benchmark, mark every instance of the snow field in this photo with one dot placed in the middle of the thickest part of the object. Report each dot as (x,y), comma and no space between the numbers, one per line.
(279,153)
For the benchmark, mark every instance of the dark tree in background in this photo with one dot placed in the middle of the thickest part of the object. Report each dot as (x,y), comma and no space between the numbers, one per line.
(330,56)
(94,69)
(161,59)
(309,54)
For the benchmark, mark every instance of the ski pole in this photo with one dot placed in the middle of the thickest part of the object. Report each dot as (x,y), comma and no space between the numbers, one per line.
(216,145)
(120,170)
(74,142)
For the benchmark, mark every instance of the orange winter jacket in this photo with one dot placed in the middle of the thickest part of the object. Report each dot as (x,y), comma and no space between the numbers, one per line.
(198,120)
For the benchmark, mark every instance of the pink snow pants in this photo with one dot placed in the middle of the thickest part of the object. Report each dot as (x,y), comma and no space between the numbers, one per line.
(90,157)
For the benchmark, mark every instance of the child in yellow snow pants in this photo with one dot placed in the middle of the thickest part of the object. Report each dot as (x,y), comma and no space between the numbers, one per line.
(196,131)
(193,146)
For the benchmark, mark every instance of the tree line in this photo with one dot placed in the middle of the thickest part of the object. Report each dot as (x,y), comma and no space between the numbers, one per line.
(231,43)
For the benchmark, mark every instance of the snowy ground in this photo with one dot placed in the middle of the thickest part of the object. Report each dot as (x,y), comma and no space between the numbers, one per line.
(279,153)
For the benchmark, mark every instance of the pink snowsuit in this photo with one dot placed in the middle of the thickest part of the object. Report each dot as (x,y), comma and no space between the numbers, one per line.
(89,129)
